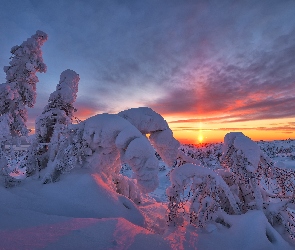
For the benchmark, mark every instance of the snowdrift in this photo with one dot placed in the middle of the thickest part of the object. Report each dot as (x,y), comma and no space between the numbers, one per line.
(82,212)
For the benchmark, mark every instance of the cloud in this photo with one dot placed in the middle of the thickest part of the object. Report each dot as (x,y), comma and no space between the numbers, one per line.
(258,87)
(283,129)
(207,119)
(226,60)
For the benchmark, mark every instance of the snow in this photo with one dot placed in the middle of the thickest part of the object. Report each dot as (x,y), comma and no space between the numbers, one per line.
(144,119)
(67,88)
(5,120)
(147,121)
(78,212)
(247,148)
(19,90)
(252,225)
(109,140)
(82,211)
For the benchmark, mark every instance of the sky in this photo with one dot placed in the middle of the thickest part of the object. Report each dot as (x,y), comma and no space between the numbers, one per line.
(208,67)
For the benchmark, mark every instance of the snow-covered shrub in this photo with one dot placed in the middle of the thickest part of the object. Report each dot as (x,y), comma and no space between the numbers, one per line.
(104,142)
(260,184)
(281,215)
(205,154)
(19,90)
(280,188)
(52,124)
(208,193)
(241,156)
(248,181)
(183,158)
(284,148)
(147,121)
(282,181)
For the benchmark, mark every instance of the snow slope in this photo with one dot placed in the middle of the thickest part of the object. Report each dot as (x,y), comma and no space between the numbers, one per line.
(78,212)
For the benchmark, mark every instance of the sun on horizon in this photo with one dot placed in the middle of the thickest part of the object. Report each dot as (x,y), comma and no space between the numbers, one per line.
(200,138)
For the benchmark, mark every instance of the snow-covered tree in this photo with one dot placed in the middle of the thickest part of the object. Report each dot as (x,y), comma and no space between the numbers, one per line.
(54,120)
(19,90)
(147,121)
(105,142)
(102,143)
(60,108)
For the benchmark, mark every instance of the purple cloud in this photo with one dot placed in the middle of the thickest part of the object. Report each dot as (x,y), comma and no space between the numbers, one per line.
(258,87)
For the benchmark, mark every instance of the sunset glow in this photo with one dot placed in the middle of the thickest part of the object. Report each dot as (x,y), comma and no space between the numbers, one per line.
(200,138)
(234,72)
(213,132)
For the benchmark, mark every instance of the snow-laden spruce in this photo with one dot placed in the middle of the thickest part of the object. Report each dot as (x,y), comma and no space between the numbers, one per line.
(60,108)
(53,122)
(19,90)
(102,143)
(147,121)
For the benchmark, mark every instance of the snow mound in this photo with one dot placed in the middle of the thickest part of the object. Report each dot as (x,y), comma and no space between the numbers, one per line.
(247,231)
(79,194)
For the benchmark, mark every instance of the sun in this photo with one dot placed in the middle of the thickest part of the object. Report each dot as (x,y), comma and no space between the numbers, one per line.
(200,138)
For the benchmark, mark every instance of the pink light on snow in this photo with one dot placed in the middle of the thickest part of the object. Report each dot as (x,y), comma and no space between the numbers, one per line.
(41,236)
(125,234)
(176,239)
